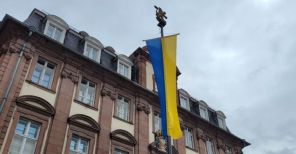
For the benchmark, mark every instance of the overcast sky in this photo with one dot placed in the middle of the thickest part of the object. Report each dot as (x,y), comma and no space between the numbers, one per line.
(237,55)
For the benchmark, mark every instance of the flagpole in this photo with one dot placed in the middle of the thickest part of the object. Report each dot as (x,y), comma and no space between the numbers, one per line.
(161,16)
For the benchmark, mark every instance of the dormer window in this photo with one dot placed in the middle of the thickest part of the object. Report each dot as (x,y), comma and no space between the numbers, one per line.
(184,103)
(184,99)
(203,112)
(92,52)
(221,119)
(221,122)
(124,66)
(54,32)
(56,28)
(123,69)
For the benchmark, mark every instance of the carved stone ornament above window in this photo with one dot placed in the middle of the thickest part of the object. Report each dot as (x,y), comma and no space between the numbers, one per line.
(108,90)
(36,104)
(85,122)
(123,137)
(143,107)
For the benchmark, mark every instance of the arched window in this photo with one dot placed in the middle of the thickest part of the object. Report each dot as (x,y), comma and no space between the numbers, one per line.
(30,122)
(82,134)
(122,142)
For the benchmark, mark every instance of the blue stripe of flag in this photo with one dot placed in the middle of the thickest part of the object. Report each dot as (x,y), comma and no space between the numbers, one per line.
(155,51)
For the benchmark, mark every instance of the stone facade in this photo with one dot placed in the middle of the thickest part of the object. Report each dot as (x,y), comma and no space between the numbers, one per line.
(61,115)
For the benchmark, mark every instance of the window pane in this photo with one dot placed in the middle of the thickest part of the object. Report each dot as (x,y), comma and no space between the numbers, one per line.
(33,131)
(157,122)
(37,73)
(16,144)
(117,151)
(91,95)
(122,109)
(50,30)
(29,146)
(57,34)
(73,144)
(83,146)
(20,128)
(82,90)
(46,81)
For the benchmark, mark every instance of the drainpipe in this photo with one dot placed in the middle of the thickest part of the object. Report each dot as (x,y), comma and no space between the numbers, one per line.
(15,70)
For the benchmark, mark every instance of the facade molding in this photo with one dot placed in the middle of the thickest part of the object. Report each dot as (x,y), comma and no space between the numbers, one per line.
(123,136)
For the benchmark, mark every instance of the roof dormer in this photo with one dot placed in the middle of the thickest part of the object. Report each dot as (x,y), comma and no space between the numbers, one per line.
(55,28)
(124,66)
(92,48)
(184,99)
(221,119)
(203,110)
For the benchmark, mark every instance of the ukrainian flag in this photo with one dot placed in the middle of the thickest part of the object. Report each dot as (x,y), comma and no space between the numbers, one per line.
(163,56)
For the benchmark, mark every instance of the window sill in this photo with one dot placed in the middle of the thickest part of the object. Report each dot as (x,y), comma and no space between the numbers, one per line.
(41,87)
(191,149)
(116,117)
(85,105)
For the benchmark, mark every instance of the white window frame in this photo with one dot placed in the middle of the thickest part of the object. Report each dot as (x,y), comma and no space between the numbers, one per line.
(87,43)
(189,141)
(206,112)
(126,115)
(82,98)
(25,135)
(55,24)
(44,67)
(126,64)
(78,143)
(187,105)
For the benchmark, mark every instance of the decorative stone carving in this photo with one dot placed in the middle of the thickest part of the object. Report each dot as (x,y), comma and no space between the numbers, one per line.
(71,75)
(159,146)
(108,90)
(143,107)
(200,134)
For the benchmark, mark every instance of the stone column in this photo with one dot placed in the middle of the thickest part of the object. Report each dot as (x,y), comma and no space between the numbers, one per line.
(141,68)
(180,143)
(56,137)
(107,101)
(201,138)
(142,127)
(220,146)
(10,53)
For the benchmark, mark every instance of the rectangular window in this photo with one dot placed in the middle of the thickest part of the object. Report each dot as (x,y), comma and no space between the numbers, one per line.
(210,147)
(54,32)
(43,73)
(123,69)
(221,123)
(92,52)
(184,103)
(228,150)
(122,108)
(78,145)
(203,113)
(25,137)
(87,92)
(157,122)
(188,138)
(117,151)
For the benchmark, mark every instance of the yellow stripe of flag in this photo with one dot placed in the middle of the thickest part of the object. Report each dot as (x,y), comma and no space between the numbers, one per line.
(169,47)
